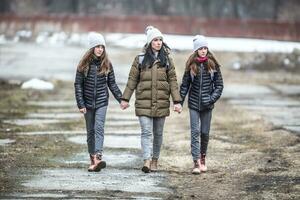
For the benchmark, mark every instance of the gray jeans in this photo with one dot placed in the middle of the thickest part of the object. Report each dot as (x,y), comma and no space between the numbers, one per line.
(200,126)
(95,119)
(151,145)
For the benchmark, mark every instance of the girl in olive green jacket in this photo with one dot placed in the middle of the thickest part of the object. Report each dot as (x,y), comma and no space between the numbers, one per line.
(154,80)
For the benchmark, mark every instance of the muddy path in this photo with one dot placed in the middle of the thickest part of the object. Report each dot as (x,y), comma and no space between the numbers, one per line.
(253,150)
(254,145)
(47,156)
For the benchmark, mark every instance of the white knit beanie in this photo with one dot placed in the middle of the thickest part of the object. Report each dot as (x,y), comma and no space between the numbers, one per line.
(95,39)
(199,41)
(152,33)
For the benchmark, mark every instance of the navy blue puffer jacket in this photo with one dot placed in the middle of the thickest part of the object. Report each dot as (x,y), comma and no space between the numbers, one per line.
(204,88)
(91,90)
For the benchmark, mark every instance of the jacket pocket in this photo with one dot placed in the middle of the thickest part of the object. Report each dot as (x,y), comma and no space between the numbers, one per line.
(206,100)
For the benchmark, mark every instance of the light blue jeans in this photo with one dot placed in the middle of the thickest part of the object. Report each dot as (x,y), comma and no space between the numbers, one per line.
(200,126)
(95,119)
(151,145)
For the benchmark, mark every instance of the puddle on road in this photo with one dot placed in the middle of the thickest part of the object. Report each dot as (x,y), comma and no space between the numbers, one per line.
(278,115)
(280,110)
(121,116)
(28,122)
(113,159)
(123,131)
(58,110)
(6,141)
(285,113)
(36,195)
(288,89)
(145,198)
(293,128)
(77,115)
(38,118)
(108,179)
(270,102)
(234,90)
(113,141)
(53,103)
(72,195)
(79,132)
(122,123)
(43,118)
(51,115)
(119,111)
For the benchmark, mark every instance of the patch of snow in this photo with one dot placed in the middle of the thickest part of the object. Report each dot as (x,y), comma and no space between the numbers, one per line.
(24,34)
(236,65)
(185,42)
(42,37)
(3,39)
(6,141)
(37,84)
(286,61)
(177,42)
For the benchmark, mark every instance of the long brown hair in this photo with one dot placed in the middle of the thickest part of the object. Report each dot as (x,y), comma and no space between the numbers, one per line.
(191,64)
(88,57)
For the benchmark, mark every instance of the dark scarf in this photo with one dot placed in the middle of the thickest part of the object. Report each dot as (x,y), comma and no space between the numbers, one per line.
(96,60)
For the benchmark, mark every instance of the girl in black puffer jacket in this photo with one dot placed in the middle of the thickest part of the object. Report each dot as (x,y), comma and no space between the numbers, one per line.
(203,81)
(94,76)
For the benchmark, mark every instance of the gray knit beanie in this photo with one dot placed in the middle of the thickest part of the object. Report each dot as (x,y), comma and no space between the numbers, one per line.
(199,41)
(95,39)
(152,33)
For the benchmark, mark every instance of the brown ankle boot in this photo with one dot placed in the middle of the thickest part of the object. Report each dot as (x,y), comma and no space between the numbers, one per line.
(196,168)
(91,167)
(153,164)
(98,162)
(146,166)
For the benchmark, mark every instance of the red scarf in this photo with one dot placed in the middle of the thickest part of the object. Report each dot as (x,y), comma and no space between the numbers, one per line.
(201,59)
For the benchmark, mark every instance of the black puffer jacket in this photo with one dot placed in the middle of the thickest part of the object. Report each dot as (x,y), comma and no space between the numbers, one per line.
(91,89)
(204,90)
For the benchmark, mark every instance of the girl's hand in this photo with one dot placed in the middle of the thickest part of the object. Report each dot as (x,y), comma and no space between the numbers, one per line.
(124,105)
(177,108)
(82,110)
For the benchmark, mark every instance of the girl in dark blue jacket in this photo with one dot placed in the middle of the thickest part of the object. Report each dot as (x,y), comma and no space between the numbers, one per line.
(94,76)
(203,81)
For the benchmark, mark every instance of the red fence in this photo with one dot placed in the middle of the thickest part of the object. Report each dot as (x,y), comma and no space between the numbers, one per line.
(265,29)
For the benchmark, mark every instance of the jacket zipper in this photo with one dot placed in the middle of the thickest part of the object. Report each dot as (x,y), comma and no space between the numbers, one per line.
(200,92)
(95,88)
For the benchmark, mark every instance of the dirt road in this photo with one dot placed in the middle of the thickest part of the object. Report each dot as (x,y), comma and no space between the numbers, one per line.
(253,151)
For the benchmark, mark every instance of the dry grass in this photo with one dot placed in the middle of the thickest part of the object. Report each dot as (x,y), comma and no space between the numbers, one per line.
(248,158)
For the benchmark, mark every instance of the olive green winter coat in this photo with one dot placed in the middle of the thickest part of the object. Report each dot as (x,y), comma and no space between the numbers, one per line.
(153,86)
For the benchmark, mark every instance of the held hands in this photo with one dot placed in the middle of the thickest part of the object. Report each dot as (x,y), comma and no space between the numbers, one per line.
(177,108)
(124,105)
(82,110)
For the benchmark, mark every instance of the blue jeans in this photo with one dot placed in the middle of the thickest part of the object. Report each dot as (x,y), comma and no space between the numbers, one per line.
(95,119)
(200,126)
(151,126)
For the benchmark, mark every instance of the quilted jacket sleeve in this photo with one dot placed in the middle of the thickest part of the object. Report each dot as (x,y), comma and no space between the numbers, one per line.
(218,86)
(172,79)
(79,81)
(113,87)
(185,85)
(132,82)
